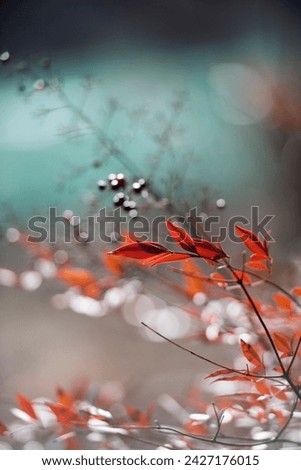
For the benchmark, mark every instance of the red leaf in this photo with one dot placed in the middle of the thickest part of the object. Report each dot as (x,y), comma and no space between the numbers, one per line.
(64,398)
(218,372)
(262,387)
(140,250)
(297,291)
(26,406)
(246,279)
(282,343)
(257,266)
(250,353)
(196,428)
(234,378)
(279,415)
(181,237)
(76,276)
(137,416)
(113,264)
(252,242)
(283,301)
(209,251)
(166,258)
(72,443)
(219,279)
(257,257)
(3,428)
(279,393)
(92,290)
(66,415)
(193,278)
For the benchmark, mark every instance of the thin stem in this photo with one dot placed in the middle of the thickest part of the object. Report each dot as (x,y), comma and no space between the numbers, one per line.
(256,311)
(290,417)
(294,355)
(219,420)
(100,135)
(268,334)
(247,443)
(145,441)
(222,366)
(272,283)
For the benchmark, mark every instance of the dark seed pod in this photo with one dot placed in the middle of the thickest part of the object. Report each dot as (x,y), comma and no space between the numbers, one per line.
(101,185)
(136,187)
(118,199)
(121,178)
(112,177)
(121,196)
(142,182)
(115,185)
(129,205)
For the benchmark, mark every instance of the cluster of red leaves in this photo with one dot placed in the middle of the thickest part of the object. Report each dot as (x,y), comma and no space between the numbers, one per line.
(260,254)
(75,416)
(152,254)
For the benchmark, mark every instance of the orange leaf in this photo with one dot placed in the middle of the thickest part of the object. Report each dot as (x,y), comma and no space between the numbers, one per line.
(138,416)
(243,276)
(26,406)
(113,264)
(283,301)
(181,237)
(282,343)
(257,266)
(64,398)
(72,443)
(279,415)
(262,387)
(218,372)
(219,279)
(234,378)
(279,393)
(76,276)
(65,415)
(297,291)
(3,428)
(193,278)
(197,428)
(92,290)
(252,242)
(250,353)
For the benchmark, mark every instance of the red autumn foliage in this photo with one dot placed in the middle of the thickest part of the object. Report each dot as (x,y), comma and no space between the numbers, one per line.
(283,344)
(66,415)
(26,406)
(265,392)
(257,265)
(76,276)
(181,237)
(250,353)
(3,429)
(253,243)
(283,302)
(64,398)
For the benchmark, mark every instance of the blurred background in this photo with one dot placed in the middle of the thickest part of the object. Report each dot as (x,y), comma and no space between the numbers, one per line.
(200,98)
